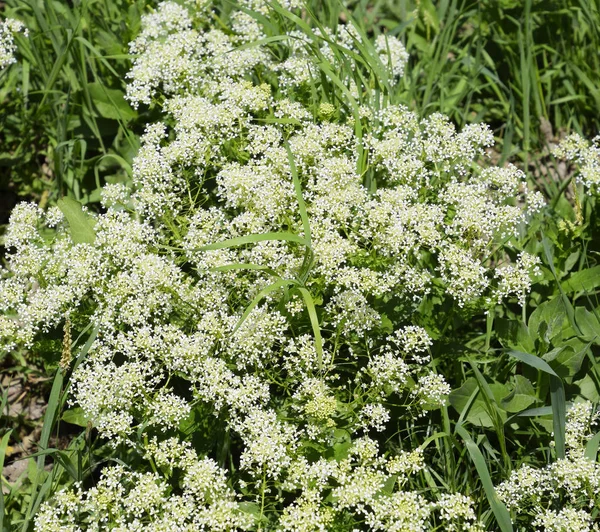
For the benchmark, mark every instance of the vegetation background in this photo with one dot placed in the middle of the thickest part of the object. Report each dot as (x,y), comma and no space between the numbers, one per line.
(528,68)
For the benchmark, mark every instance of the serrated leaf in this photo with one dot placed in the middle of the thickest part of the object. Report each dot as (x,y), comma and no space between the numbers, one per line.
(81,224)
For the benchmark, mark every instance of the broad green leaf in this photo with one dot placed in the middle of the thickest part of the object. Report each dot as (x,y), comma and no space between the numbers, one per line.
(477,413)
(514,334)
(566,361)
(571,261)
(342,443)
(81,224)
(591,447)
(583,281)
(588,388)
(111,103)
(521,397)
(588,324)
(75,416)
(553,314)
(250,508)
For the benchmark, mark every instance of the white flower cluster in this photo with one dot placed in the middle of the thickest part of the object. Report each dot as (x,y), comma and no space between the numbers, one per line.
(8,27)
(245,275)
(360,479)
(126,500)
(585,155)
(573,482)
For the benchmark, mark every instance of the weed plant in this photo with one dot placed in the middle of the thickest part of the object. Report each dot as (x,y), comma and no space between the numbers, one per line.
(314,303)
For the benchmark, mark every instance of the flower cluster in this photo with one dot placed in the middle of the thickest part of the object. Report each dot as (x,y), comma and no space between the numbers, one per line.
(242,285)
(127,500)
(8,27)
(584,154)
(572,482)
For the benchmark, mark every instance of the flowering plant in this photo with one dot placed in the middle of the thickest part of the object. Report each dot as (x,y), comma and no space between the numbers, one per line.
(255,293)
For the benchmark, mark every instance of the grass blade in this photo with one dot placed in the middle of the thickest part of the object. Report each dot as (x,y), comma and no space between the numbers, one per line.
(260,296)
(250,239)
(557,397)
(314,321)
(3,446)
(49,418)
(498,508)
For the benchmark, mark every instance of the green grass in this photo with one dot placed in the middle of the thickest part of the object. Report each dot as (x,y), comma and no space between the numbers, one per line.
(63,111)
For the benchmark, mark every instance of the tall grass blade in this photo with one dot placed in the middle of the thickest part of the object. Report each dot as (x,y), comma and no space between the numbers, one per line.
(498,508)
(557,397)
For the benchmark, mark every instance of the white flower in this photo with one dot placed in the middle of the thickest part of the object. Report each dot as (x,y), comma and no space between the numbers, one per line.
(8,27)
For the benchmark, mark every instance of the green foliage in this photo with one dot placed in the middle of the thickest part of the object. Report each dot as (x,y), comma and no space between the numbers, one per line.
(62,107)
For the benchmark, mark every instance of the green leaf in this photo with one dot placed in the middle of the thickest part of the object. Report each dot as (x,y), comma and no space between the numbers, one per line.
(342,443)
(565,360)
(250,508)
(111,103)
(588,388)
(588,324)
(591,447)
(259,297)
(36,470)
(521,397)
(80,223)
(299,197)
(314,321)
(75,416)
(583,281)
(557,397)
(478,411)
(514,334)
(498,508)
(250,239)
(3,446)
(553,314)
(568,307)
